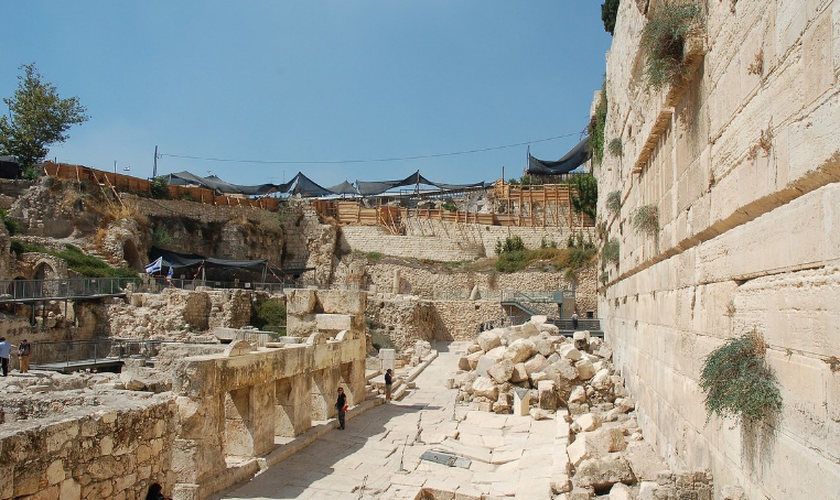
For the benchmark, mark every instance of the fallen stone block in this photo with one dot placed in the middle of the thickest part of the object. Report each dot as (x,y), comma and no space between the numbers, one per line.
(578,395)
(620,491)
(484,387)
(581,494)
(560,483)
(464,363)
(520,350)
(520,374)
(601,380)
(501,371)
(473,358)
(536,364)
(548,397)
(569,351)
(588,422)
(540,414)
(585,370)
(602,473)
(489,340)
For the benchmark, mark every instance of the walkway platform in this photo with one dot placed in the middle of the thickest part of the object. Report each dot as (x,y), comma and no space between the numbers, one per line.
(378,456)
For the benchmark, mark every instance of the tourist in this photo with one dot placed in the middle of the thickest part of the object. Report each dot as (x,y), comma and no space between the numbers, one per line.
(5,354)
(24,350)
(574,321)
(389,381)
(341,406)
(156,492)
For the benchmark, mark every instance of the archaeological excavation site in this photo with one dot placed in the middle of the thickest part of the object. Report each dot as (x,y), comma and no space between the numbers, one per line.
(655,316)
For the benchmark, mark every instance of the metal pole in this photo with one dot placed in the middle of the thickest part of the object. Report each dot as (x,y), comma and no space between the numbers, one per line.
(154,169)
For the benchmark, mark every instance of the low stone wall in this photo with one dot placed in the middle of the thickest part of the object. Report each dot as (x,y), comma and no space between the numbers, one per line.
(377,239)
(116,452)
(485,237)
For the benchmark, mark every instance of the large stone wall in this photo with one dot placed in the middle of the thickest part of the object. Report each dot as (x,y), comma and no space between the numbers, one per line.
(377,239)
(744,167)
(484,237)
(107,446)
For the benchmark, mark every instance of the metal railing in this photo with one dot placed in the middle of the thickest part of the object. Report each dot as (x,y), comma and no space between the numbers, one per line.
(537,297)
(71,288)
(56,354)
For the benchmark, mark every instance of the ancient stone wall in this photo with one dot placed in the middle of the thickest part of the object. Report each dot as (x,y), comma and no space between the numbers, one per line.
(742,164)
(484,237)
(377,239)
(233,404)
(115,450)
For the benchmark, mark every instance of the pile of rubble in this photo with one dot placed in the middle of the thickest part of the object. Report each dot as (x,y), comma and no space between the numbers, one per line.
(532,369)
(556,371)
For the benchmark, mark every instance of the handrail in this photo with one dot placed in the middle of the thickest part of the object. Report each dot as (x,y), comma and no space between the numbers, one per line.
(22,290)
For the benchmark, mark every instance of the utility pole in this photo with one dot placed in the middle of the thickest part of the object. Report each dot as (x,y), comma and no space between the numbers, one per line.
(115,166)
(154,170)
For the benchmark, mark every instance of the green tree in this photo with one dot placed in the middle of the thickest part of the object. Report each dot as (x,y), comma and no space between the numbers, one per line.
(38,118)
(585,194)
(609,11)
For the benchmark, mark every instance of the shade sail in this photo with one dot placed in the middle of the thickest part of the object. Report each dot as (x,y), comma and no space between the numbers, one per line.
(570,161)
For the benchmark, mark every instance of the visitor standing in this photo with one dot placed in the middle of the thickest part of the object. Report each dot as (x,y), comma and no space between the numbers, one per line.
(341,406)
(389,383)
(24,350)
(574,321)
(5,354)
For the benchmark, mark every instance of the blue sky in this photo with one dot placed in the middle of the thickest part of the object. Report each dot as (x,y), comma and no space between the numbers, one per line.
(313,81)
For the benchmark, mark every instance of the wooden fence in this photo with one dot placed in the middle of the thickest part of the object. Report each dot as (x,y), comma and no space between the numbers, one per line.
(143,187)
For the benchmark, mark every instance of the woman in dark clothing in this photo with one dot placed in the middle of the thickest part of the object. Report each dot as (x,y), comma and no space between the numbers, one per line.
(341,406)
(156,492)
(389,383)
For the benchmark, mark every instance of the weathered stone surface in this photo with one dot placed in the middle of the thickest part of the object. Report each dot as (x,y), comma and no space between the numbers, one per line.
(489,340)
(520,374)
(548,397)
(484,387)
(621,491)
(520,350)
(536,364)
(602,473)
(501,372)
(540,414)
(560,483)
(601,380)
(569,351)
(472,359)
(578,395)
(588,422)
(585,369)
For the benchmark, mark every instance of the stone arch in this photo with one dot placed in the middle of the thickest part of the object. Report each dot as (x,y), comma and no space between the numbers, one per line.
(132,256)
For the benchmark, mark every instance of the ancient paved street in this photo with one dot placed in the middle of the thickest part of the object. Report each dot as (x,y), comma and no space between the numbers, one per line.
(365,460)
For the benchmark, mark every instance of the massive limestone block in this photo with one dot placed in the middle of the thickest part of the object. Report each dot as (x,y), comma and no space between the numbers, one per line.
(588,422)
(569,351)
(536,364)
(472,359)
(602,473)
(484,387)
(489,340)
(595,444)
(520,350)
(548,397)
(601,381)
(544,346)
(550,329)
(501,371)
(565,369)
(520,374)
(464,363)
(578,395)
(585,369)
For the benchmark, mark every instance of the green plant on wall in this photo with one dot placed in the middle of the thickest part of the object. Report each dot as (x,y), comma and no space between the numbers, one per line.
(615,147)
(738,383)
(597,124)
(610,253)
(645,220)
(613,202)
(12,225)
(663,40)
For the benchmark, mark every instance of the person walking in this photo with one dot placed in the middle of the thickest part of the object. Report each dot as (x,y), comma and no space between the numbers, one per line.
(341,406)
(389,383)
(5,354)
(24,350)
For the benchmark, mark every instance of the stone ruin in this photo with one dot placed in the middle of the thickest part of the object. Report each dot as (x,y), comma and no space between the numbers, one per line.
(531,369)
(203,418)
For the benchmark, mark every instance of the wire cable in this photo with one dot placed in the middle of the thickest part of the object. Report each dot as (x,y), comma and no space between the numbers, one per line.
(371,160)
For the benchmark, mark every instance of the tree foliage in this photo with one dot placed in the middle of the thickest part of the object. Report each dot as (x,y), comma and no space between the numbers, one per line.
(38,118)
(609,12)
(585,194)
(597,124)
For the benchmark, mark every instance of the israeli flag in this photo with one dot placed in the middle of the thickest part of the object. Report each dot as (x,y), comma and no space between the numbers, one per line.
(155,266)
(170,273)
